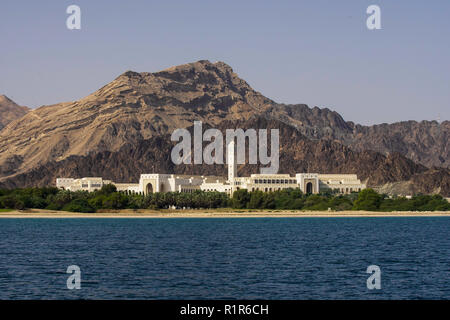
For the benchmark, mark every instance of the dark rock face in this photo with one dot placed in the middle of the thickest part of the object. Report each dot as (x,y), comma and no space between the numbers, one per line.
(425,142)
(435,180)
(123,129)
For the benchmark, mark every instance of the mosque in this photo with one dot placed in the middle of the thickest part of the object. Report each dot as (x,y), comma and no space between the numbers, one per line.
(158,182)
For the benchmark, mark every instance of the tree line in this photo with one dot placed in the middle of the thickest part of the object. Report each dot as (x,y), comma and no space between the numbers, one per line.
(367,199)
(108,197)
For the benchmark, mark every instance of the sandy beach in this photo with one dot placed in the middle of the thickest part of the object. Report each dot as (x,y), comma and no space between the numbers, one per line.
(223,213)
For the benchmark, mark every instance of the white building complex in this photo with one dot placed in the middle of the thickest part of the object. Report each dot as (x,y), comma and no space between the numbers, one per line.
(157,182)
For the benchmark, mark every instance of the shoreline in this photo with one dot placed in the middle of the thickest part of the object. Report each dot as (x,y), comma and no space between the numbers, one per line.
(167,214)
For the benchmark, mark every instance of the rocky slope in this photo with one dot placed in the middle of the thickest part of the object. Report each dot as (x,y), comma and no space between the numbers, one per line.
(425,142)
(104,130)
(435,181)
(10,111)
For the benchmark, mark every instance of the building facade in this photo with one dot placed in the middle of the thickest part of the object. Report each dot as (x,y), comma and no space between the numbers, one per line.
(158,182)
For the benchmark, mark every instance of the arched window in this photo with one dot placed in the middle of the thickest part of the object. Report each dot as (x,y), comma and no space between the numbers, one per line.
(309,187)
(149,188)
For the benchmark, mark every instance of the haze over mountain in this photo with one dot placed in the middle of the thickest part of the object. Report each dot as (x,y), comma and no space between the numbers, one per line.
(9,111)
(136,108)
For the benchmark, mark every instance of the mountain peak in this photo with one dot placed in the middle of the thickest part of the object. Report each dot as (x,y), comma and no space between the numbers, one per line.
(10,111)
(7,103)
(130,73)
(200,66)
(4,98)
(195,67)
(202,80)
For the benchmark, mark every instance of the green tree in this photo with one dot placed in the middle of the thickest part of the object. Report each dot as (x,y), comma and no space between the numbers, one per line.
(108,189)
(256,200)
(78,205)
(368,199)
(115,200)
(240,199)
(340,203)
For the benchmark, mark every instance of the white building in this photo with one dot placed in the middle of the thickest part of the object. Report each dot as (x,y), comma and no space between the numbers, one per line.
(343,183)
(157,182)
(87,184)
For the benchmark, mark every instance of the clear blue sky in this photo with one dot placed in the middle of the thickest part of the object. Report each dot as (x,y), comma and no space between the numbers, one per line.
(315,52)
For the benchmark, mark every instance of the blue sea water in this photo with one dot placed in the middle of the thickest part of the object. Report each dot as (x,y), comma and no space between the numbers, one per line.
(255,258)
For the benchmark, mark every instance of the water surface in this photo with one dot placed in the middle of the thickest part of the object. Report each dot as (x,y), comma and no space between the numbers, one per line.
(244,258)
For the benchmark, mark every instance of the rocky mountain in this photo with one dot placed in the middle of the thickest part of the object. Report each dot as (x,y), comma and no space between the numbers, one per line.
(10,111)
(425,142)
(122,130)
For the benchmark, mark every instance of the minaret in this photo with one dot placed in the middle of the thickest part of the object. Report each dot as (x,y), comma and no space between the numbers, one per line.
(231,160)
